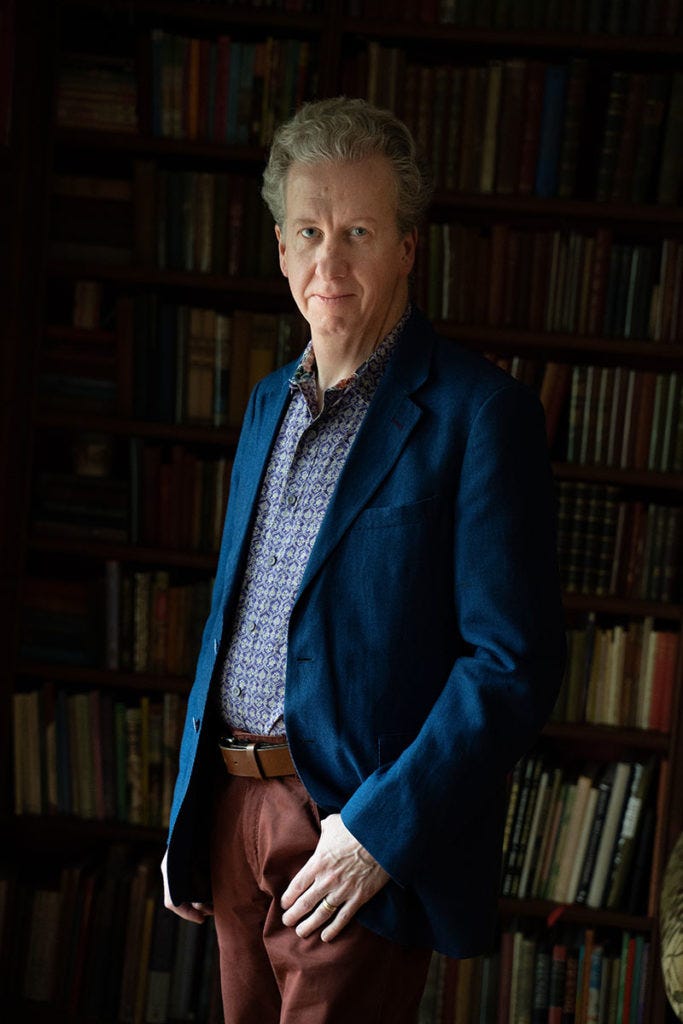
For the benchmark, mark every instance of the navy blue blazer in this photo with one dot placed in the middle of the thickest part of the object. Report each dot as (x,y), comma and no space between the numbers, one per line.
(426,644)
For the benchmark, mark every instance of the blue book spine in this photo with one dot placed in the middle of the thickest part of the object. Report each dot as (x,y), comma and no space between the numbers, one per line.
(552,120)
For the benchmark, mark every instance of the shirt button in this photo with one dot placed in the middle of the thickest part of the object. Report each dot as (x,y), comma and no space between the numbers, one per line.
(251,626)
(272,560)
(291,500)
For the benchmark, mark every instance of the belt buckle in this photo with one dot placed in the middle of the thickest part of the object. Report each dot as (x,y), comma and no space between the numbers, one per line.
(249,749)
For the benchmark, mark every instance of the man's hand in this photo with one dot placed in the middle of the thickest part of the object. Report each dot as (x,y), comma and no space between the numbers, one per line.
(196,912)
(335,881)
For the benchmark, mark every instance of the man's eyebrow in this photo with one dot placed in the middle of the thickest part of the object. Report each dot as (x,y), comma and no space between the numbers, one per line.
(357,218)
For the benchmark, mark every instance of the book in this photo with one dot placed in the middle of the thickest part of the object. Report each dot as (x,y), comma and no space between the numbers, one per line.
(575,825)
(557,983)
(43,939)
(535,836)
(577,84)
(642,781)
(586,828)
(520,837)
(546,846)
(137,922)
(609,834)
(510,127)
(487,174)
(643,183)
(540,999)
(669,180)
(552,116)
(614,117)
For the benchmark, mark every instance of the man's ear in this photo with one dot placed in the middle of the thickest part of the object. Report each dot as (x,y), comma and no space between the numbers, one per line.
(281,249)
(409,250)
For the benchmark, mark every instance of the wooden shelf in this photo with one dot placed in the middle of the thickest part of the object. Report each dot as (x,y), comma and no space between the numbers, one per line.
(223,437)
(510,39)
(622,606)
(619,477)
(563,347)
(642,739)
(64,829)
(80,675)
(139,144)
(559,209)
(575,913)
(217,14)
(153,277)
(102,550)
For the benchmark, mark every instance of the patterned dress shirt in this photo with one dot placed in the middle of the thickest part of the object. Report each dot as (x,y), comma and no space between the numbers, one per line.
(307,458)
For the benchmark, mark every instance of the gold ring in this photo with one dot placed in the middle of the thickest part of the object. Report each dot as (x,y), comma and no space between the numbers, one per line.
(329,907)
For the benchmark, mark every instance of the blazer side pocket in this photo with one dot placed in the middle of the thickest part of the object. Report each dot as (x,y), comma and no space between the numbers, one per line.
(390,746)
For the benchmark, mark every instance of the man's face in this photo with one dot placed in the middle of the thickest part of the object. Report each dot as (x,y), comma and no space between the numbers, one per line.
(341,251)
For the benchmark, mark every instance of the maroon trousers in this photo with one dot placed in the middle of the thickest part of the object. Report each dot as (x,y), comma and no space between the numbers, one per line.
(264,831)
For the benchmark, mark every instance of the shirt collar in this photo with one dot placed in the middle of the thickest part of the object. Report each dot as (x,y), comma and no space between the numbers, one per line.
(304,376)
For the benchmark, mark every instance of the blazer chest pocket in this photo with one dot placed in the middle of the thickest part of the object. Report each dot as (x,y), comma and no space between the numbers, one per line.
(383,516)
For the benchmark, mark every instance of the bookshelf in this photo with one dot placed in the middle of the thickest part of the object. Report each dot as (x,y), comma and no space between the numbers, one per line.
(127,297)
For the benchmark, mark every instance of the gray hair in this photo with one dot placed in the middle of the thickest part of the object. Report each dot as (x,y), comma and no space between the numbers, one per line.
(342,129)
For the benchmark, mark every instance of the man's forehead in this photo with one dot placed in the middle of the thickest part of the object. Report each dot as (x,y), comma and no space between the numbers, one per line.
(364,184)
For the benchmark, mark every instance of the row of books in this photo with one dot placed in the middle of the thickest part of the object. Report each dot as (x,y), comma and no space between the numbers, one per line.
(567,974)
(96,943)
(199,365)
(152,624)
(228,90)
(629,419)
(606,415)
(92,218)
(180,497)
(571,282)
(655,17)
(82,353)
(611,547)
(192,221)
(534,128)
(70,505)
(172,498)
(95,755)
(622,675)
(581,834)
(168,363)
(124,621)
(206,223)
(97,92)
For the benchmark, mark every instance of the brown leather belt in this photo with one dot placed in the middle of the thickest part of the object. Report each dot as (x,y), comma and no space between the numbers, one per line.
(256,760)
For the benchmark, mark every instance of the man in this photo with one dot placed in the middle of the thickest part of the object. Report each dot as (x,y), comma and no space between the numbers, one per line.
(385,638)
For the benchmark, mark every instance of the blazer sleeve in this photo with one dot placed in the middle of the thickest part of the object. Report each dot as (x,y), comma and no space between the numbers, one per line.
(502,686)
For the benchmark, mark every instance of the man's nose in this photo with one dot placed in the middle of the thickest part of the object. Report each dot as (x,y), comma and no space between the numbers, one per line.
(332,260)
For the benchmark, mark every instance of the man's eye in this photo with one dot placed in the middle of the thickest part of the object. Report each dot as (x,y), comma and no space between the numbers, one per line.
(359,232)
(308,232)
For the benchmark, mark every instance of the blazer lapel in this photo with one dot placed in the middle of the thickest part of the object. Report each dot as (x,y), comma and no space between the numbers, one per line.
(271,403)
(388,423)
